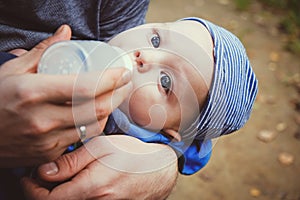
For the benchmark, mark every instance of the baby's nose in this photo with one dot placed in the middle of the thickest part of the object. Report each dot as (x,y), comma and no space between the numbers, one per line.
(141,63)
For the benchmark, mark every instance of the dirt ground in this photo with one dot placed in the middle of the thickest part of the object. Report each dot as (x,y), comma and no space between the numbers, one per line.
(243,166)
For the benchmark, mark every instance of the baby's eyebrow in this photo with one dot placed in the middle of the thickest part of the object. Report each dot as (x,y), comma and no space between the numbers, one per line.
(160,28)
(155,30)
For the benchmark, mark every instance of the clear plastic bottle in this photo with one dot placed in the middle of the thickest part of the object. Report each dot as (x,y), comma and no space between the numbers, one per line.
(73,57)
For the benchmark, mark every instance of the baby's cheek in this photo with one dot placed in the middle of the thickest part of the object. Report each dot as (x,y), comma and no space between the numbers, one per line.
(139,110)
(147,113)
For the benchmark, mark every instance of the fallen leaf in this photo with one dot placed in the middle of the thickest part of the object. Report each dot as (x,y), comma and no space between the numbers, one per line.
(286,158)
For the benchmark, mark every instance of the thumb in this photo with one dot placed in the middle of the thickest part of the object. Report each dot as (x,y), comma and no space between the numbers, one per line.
(62,33)
(28,61)
(66,166)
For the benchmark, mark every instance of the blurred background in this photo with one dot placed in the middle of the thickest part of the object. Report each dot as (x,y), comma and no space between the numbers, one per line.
(260,161)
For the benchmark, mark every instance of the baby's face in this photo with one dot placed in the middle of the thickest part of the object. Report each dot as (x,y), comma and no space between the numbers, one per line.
(171,74)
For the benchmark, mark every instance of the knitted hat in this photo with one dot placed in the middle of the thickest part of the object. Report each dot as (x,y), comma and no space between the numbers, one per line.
(233,88)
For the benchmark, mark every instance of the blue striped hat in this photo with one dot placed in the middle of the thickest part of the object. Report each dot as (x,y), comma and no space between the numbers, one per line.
(233,89)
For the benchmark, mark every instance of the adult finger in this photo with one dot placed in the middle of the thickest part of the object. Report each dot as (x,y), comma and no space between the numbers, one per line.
(101,107)
(114,153)
(72,135)
(87,86)
(62,120)
(49,116)
(95,178)
(18,52)
(28,61)
(62,88)
(66,166)
(93,182)
(32,190)
(79,187)
(62,33)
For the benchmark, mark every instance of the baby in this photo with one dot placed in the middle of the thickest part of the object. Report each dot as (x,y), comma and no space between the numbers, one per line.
(192,81)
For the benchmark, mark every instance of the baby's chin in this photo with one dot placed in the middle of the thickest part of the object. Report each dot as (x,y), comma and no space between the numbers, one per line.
(124,107)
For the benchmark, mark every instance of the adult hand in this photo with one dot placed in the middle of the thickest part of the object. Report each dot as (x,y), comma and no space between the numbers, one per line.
(37,124)
(108,167)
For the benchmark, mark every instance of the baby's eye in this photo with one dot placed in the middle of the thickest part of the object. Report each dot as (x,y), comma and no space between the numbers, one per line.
(166,82)
(155,40)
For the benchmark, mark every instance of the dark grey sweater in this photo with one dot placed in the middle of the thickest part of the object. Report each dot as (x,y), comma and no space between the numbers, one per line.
(24,23)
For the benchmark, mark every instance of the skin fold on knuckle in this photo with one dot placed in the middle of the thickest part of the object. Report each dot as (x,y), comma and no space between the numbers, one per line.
(26,93)
(46,149)
(27,107)
(40,153)
(116,80)
(69,162)
(83,91)
(102,110)
(112,78)
(43,45)
(38,126)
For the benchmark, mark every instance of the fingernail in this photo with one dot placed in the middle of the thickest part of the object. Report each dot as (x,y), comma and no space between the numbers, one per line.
(59,30)
(49,168)
(126,76)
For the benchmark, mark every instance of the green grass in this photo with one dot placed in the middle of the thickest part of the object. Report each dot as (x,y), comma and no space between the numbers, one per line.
(290,18)
(242,4)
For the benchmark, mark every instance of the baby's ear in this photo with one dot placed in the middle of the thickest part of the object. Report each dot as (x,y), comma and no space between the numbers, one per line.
(174,134)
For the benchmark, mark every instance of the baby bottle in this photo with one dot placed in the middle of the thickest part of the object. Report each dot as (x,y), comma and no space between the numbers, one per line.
(73,57)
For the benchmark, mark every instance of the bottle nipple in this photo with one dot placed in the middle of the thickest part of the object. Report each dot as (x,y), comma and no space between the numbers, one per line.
(125,58)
